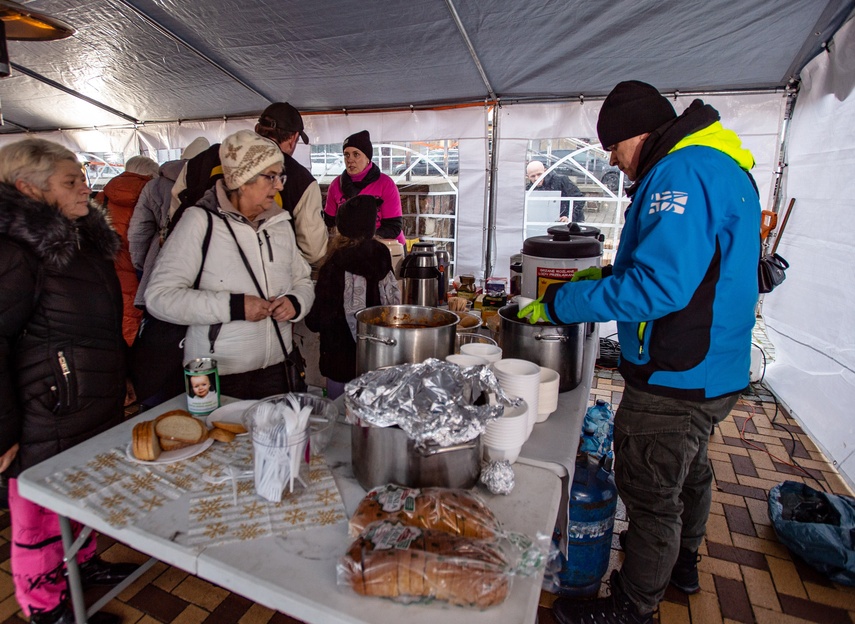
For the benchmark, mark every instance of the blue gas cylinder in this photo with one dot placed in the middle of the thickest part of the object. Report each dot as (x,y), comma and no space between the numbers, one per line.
(591,518)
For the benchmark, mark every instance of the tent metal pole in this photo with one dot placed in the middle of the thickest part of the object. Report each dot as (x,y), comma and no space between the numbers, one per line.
(462,30)
(168,33)
(69,91)
(490,238)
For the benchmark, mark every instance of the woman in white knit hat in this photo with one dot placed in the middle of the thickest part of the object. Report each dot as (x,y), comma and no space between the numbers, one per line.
(253,283)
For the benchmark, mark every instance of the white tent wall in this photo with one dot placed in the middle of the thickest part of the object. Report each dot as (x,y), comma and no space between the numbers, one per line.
(755,117)
(809,318)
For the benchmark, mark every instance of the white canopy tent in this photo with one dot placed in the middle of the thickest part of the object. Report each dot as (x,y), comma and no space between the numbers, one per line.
(154,74)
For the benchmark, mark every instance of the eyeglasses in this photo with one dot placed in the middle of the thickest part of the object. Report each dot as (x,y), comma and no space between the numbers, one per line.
(273,177)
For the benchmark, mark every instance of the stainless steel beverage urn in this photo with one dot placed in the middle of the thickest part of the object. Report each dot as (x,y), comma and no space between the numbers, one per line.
(420,276)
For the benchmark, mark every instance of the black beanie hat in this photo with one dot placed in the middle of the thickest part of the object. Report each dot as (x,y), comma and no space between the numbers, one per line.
(361,141)
(357,217)
(632,108)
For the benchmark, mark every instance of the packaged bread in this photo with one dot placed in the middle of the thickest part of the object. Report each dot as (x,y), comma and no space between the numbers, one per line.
(455,511)
(145,444)
(181,428)
(409,564)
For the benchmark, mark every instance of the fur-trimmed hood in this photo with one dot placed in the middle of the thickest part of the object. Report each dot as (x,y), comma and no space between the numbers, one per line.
(52,237)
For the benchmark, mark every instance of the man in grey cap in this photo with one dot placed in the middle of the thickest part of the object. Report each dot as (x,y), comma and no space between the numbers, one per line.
(682,288)
(281,123)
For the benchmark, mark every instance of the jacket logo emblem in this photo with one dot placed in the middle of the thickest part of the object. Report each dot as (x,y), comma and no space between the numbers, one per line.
(669,201)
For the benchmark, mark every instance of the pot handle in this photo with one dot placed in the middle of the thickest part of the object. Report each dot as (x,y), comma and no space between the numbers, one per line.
(438,450)
(386,341)
(550,337)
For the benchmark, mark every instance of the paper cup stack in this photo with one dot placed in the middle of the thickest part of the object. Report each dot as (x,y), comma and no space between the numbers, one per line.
(520,378)
(547,400)
(504,437)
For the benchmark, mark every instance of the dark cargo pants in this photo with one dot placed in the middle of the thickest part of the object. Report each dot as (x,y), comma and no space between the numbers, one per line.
(664,478)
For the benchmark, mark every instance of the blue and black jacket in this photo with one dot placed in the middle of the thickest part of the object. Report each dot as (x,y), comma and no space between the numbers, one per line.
(683,286)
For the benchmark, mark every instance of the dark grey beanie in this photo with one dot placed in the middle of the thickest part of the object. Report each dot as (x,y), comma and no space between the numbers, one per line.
(632,108)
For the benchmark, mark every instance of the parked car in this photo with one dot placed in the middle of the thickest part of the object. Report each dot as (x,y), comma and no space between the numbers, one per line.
(423,164)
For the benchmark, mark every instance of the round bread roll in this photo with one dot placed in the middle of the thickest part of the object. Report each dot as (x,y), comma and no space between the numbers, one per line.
(221,435)
(229,426)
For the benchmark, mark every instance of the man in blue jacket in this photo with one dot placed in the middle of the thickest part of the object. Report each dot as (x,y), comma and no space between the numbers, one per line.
(682,289)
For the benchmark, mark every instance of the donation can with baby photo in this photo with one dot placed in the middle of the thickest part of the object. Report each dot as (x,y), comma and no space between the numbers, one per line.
(203,386)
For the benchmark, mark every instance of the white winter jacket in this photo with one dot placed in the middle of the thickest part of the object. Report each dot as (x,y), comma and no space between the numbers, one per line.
(280,269)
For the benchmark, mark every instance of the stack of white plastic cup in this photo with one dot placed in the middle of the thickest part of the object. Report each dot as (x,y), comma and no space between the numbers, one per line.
(504,437)
(520,378)
(489,352)
(463,360)
(547,400)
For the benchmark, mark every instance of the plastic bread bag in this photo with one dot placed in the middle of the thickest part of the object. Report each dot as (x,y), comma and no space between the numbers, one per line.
(456,511)
(409,564)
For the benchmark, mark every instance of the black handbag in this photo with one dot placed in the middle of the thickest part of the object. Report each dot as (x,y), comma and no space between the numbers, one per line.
(771,272)
(156,359)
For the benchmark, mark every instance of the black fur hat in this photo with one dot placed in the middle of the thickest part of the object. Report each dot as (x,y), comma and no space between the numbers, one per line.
(357,217)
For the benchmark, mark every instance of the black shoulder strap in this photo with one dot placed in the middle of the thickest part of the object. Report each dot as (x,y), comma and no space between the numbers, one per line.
(206,242)
(257,285)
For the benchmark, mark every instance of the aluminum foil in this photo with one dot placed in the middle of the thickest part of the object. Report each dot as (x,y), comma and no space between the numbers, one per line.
(434,401)
(498,477)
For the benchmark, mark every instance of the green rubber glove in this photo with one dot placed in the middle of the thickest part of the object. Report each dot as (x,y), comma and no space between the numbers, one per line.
(591,273)
(535,311)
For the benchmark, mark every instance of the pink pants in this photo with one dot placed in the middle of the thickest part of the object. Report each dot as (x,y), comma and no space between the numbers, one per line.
(37,554)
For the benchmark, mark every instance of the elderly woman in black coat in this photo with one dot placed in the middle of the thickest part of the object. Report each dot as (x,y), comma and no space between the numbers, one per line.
(62,356)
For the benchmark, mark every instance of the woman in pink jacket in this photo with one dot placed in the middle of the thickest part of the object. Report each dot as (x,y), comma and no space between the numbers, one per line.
(362,177)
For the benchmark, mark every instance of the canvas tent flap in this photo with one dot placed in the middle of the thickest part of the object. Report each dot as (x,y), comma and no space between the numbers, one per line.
(809,317)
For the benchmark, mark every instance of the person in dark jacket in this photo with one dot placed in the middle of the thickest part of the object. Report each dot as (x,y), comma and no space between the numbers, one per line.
(557,182)
(356,274)
(62,355)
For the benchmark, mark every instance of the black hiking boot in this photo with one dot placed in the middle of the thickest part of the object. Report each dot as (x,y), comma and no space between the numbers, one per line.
(684,575)
(614,609)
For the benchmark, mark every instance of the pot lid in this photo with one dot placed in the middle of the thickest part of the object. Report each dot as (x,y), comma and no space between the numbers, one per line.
(562,245)
(573,229)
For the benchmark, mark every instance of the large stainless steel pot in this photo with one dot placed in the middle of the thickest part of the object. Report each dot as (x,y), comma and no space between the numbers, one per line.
(402,334)
(559,347)
(383,455)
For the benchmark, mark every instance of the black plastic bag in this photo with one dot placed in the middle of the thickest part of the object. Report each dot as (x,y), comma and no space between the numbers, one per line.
(818,527)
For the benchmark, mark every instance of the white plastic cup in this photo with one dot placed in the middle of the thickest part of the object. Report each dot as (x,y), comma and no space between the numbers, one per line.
(491,353)
(464,359)
(547,400)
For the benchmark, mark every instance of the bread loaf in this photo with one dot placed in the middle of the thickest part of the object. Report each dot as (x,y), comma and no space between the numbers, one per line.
(145,445)
(181,428)
(455,511)
(175,412)
(409,564)
(172,445)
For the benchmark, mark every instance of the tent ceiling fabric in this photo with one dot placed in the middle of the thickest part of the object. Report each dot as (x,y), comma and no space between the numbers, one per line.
(168,60)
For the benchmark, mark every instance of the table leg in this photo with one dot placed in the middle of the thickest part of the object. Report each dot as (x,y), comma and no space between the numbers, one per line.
(75,586)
